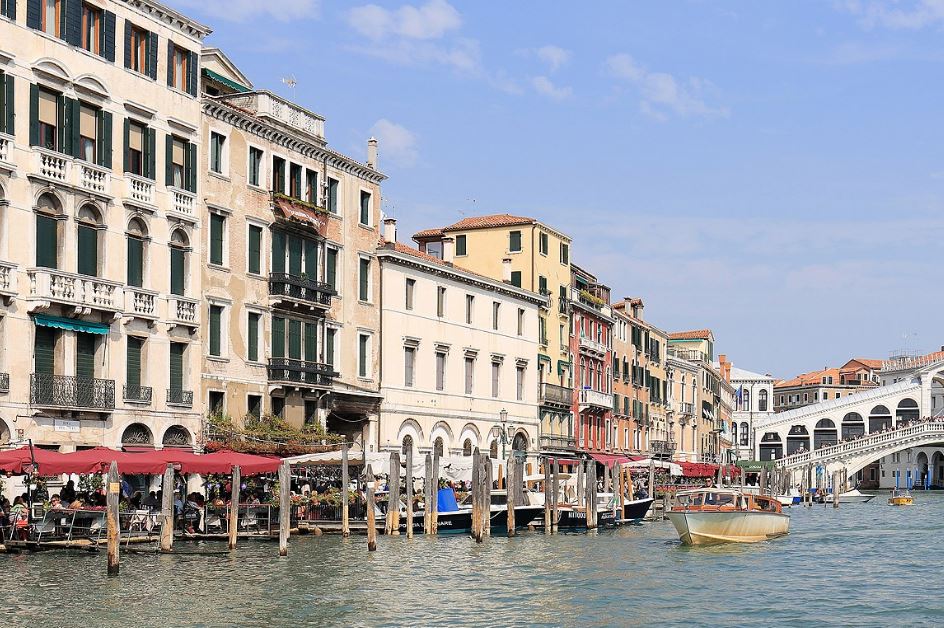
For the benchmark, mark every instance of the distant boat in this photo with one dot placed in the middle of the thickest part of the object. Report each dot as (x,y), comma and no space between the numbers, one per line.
(793,498)
(900,497)
(851,497)
(710,516)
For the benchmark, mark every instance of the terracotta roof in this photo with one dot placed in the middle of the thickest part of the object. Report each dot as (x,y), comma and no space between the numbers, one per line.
(697,334)
(872,364)
(486,222)
(428,233)
(409,250)
(807,379)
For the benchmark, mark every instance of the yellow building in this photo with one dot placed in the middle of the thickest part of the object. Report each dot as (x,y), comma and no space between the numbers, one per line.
(531,255)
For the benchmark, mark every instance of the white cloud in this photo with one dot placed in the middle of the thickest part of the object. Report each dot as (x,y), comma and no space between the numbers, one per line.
(244,10)
(546,87)
(662,93)
(396,143)
(429,21)
(553,56)
(909,15)
(462,55)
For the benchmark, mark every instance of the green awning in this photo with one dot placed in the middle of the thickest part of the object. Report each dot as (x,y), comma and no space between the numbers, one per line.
(756,465)
(225,81)
(71,324)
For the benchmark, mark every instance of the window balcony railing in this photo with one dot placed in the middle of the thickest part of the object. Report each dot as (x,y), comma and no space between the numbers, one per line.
(140,302)
(137,394)
(52,165)
(552,442)
(6,148)
(4,382)
(65,169)
(93,178)
(300,289)
(597,399)
(662,447)
(301,372)
(179,397)
(687,408)
(139,189)
(8,278)
(554,395)
(66,391)
(592,345)
(184,203)
(183,311)
(563,306)
(51,285)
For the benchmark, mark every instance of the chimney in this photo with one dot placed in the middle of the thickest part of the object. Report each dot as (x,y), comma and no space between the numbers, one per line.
(372,153)
(390,229)
(506,270)
(725,367)
(448,248)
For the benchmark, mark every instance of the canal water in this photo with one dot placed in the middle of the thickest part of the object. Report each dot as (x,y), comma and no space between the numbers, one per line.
(868,565)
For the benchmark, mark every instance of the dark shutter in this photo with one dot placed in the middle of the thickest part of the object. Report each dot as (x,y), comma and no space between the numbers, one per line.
(311,259)
(278,252)
(192,73)
(47,245)
(152,55)
(44,351)
(216,329)
(294,255)
(177,365)
(104,139)
(190,170)
(255,249)
(252,343)
(169,161)
(73,122)
(84,356)
(10,6)
(216,238)
(128,28)
(331,268)
(278,337)
(34,14)
(133,363)
(64,120)
(7,118)
(311,342)
(333,196)
(170,63)
(177,271)
(294,339)
(150,154)
(34,115)
(135,262)
(88,251)
(329,346)
(363,280)
(126,146)
(108,37)
(73,22)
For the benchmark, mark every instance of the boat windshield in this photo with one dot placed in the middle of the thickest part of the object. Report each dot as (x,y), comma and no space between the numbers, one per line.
(706,499)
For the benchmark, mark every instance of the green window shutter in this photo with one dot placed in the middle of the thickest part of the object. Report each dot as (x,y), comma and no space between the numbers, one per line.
(177,271)
(311,259)
(216,238)
(542,284)
(295,339)
(88,251)
(362,356)
(133,363)
(34,115)
(34,15)
(152,41)
(278,252)
(255,249)
(108,37)
(170,63)
(150,154)
(64,120)
(216,330)
(44,351)
(364,280)
(460,245)
(514,243)
(516,278)
(192,73)
(128,28)
(333,196)
(297,180)
(311,342)
(47,241)
(126,145)
(329,346)
(278,337)
(104,139)
(73,145)
(8,106)
(294,255)
(85,356)
(135,262)
(252,348)
(190,168)
(365,208)
(169,160)
(312,186)
(331,268)
(177,365)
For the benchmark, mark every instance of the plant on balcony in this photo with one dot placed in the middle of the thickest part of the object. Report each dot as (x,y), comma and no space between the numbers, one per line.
(267,434)
(279,196)
(592,298)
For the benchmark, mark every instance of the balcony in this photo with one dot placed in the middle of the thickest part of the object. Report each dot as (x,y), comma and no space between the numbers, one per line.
(691,355)
(179,397)
(280,111)
(297,290)
(141,303)
(49,285)
(596,399)
(687,409)
(553,442)
(139,189)
(65,170)
(557,396)
(7,279)
(662,448)
(300,373)
(182,311)
(589,344)
(69,392)
(93,178)
(4,382)
(137,394)
(6,150)
(184,204)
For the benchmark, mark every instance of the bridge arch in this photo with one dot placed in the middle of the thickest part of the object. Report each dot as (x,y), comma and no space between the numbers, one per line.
(923,466)
(798,439)
(880,418)
(825,433)
(771,446)
(937,468)
(852,426)
(907,410)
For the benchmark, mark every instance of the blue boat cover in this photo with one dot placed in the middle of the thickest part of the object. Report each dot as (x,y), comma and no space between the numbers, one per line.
(447,500)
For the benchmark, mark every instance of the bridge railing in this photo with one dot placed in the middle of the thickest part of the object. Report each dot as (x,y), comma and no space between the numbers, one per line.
(863,444)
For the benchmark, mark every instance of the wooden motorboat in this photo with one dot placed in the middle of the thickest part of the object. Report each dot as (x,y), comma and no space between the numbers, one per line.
(711,515)
(900,497)
(637,508)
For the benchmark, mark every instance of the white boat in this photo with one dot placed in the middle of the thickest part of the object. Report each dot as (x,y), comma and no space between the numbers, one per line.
(709,516)
(851,497)
(792,498)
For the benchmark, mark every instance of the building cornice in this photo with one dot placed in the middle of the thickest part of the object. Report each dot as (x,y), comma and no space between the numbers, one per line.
(172,18)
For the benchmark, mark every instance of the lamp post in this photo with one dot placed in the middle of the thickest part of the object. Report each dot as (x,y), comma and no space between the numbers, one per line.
(503,417)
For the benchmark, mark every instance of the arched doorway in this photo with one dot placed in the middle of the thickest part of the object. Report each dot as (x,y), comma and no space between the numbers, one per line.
(177,436)
(137,435)
(798,439)
(879,419)
(4,433)
(907,411)
(438,446)
(937,469)
(824,433)
(407,444)
(467,447)
(771,446)
(923,468)
(852,426)
(519,443)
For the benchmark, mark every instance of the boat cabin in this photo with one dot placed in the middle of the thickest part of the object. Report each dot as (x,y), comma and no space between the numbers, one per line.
(709,499)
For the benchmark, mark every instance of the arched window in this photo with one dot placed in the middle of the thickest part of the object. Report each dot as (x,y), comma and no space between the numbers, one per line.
(137,434)
(179,252)
(745,399)
(4,433)
(519,442)
(438,446)
(137,239)
(407,444)
(48,214)
(467,447)
(176,436)
(88,225)
(762,400)
(734,432)
(745,435)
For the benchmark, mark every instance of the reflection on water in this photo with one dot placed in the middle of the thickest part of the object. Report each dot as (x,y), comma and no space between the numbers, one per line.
(861,565)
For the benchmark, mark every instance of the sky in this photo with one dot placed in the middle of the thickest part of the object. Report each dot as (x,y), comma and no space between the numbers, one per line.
(770,170)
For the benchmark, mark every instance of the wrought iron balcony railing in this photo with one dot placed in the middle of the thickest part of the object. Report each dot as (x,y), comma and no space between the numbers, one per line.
(552,442)
(552,394)
(137,394)
(4,382)
(284,285)
(66,391)
(178,397)
(301,372)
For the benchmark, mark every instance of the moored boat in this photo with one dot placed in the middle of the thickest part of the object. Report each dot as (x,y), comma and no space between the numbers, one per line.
(709,516)
(900,497)
(637,508)
(851,497)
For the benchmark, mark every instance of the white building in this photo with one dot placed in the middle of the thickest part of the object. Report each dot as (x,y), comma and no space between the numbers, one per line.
(457,352)
(753,404)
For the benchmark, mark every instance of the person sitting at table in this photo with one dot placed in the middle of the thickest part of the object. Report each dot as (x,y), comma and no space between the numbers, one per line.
(77,504)
(19,519)
(151,502)
(68,492)
(55,503)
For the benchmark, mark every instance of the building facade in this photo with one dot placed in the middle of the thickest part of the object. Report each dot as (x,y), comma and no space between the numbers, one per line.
(459,358)
(830,383)
(753,394)
(697,347)
(102,218)
(684,423)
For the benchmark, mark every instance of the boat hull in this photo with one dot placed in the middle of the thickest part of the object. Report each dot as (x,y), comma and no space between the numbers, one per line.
(637,509)
(710,528)
(897,501)
(851,498)
(460,521)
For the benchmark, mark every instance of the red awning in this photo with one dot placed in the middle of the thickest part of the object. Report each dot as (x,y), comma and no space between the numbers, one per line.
(608,460)
(301,213)
(705,469)
(224,460)
(18,461)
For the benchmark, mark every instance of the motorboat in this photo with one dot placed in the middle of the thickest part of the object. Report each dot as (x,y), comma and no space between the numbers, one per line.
(792,498)
(637,508)
(851,497)
(710,516)
(900,497)
(453,518)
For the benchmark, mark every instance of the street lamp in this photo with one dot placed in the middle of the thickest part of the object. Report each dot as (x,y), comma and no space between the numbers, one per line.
(503,416)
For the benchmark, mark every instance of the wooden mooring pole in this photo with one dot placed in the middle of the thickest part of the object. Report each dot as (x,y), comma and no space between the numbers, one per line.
(614,481)
(592,503)
(345,490)
(234,508)
(511,487)
(285,506)
(167,510)
(555,494)
(487,496)
(435,493)
(428,496)
(547,497)
(837,487)
(409,492)
(114,534)
(476,496)
(392,523)
(371,516)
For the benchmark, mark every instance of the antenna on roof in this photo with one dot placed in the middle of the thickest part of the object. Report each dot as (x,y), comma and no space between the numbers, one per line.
(291,82)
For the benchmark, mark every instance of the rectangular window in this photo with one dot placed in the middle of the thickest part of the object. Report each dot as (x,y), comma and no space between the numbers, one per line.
(542,243)
(440,301)
(91,28)
(252,336)
(332,195)
(278,175)
(180,69)
(133,368)
(178,163)
(277,349)
(331,335)
(496,310)
(311,186)
(254,263)
(331,267)
(176,367)
(217,228)
(564,254)
(254,406)
(48,120)
(514,241)
(255,166)
(496,376)
(135,262)
(311,411)
(52,16)
(519,383)
(469,374)
(136,149)
(311,342)
(461,245)
(364,280)
(516,278)
(469,308)
(542,286)
(278,406)
(409,363)
(365,208)
(363,355)
(137,44)
(216,330)
(294,339)
(295,181)
(520,322)
(216,152)
(408,298)
(440,370)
